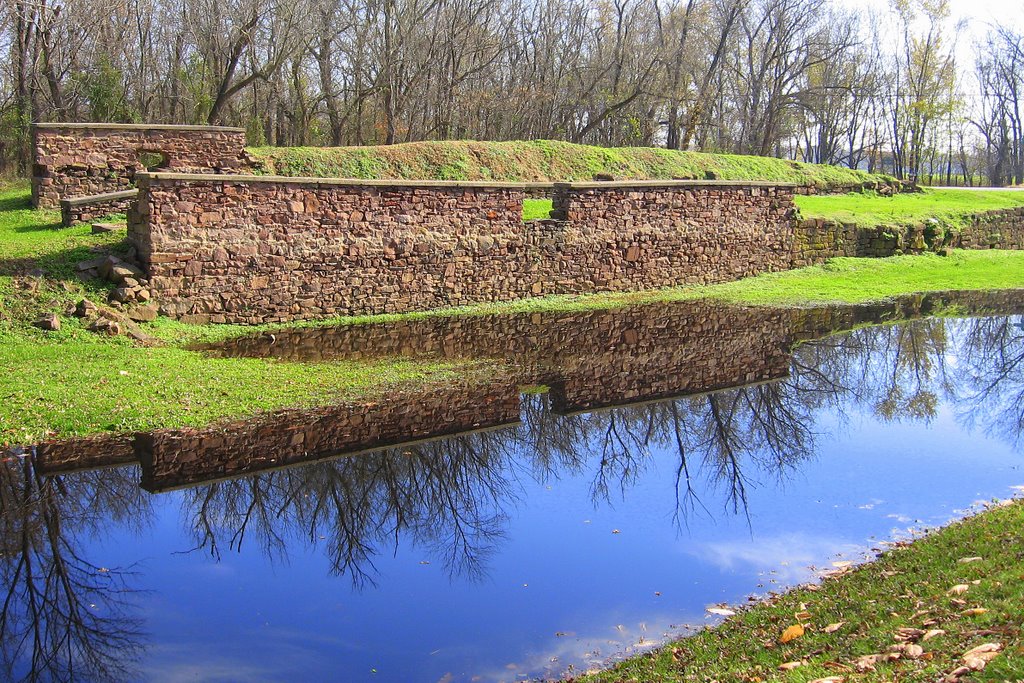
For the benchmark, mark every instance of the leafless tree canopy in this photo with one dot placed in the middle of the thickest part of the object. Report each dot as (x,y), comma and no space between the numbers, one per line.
(804,79)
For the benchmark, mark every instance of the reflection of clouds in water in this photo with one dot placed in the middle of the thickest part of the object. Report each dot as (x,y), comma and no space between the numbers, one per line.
(283,656)
(591,651)
(788,556)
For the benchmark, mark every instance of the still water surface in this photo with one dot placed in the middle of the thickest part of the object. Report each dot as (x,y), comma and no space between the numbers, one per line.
(527,550)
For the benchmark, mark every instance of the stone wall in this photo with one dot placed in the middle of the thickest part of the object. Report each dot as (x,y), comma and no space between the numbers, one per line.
(817,240)
(248,249)
(73,160)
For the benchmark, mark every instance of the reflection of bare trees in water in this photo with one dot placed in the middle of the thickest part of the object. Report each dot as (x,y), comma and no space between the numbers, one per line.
(990,373)
(450,497)
(446,497)
(63,617)
(904,371)
(898,371)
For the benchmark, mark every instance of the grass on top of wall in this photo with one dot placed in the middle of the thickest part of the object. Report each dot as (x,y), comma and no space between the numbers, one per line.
(541,161)
(949,207)
(74,382)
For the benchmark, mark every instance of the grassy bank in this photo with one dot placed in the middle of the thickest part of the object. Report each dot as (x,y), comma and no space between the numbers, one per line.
(75,382)
(542,161)
(949,207)
(964,584)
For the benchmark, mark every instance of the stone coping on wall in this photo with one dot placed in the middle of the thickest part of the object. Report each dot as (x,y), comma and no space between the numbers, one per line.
(140,127)
(458,184)
(640,184)
(99,198)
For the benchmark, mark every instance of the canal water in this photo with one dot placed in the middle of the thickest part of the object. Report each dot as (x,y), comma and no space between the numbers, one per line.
(624,472)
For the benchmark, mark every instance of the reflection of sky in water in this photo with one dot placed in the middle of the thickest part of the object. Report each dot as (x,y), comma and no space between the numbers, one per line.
(576,580)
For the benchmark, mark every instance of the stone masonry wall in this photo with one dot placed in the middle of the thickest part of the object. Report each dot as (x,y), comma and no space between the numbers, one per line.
(818,240)
(74,160)
(263,249)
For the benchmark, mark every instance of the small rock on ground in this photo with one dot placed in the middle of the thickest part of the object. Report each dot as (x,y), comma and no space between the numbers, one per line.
(49,322)
(102,228)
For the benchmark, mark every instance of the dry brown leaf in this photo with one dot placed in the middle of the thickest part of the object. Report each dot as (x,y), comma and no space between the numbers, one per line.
(934,633)
(791,633)
(979,662)
(978,658)
(985,648)
(789,666)
(909,634)
(911,651)
(721,611)
(842,564)
(974,611)
(832,628)
(829,679)
(966,560)
(956,674)
(868,662)
(802,616)
(958,589)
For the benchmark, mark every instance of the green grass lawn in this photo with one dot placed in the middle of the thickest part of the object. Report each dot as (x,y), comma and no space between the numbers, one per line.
(536,208)
(949,207)
(74,382)
(860,613)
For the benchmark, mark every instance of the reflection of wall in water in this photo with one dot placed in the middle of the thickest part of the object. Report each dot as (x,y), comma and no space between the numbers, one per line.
(590,359)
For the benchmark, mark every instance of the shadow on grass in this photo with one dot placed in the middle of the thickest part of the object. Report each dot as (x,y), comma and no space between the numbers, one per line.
(60,265)
(16,202)
(40,227)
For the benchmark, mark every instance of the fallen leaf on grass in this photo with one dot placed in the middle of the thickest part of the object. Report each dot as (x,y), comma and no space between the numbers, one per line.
(829,679)
(974,611)
(789,666)
(721,611)
(965,560)
(975,659)
(843,564)
(986,651)
(909,634)
(791,633)
(868,662)
(802,616)
(958,589)
(908,650)
(832,628)
(934,633)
